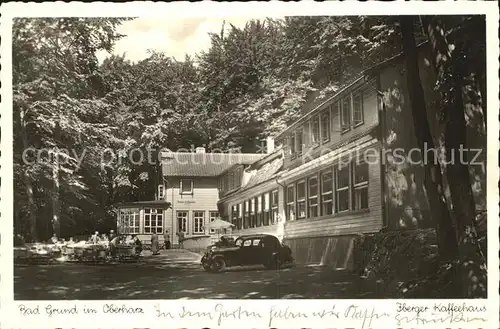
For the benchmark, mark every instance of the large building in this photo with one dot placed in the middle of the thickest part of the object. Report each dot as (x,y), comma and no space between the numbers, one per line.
(346,167)
(349,166)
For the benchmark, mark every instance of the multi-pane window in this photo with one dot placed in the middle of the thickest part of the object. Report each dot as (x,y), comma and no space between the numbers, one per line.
(327,193)
(259,210)
(342,188)
(292,145)
(300,140)
(312,197)
(234,214)
(186,186)
(246,219)
(153,220)
(182,221)
(198,220)
(357,109)
(129,220)
(315,130)
(301,200)
(274,206)
(360,186)
(267,209)
(345,114)
(290,202)
(252,212)
(213,215)
(325,125)
(240,216)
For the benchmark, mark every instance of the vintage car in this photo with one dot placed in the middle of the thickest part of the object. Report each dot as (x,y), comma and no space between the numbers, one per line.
(258,249)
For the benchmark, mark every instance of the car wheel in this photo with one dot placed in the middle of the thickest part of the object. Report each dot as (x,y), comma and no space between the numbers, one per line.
(206,266)
(218,265)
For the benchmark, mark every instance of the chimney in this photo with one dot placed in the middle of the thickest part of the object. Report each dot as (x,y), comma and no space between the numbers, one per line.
(200,150)
(165,153)
(270,145)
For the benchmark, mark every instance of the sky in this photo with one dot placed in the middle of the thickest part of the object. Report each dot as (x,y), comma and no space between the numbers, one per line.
(174,37)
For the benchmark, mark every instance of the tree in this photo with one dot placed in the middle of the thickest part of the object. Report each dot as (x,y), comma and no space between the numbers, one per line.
(56,108)
(447,242)
(450,64)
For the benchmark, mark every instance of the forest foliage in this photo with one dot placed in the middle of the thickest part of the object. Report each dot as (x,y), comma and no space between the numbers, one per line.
(87,115)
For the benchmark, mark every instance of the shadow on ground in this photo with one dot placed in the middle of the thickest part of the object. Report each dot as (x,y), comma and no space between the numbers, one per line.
(179,278)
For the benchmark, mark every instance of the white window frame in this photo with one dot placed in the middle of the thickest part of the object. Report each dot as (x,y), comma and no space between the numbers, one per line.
(153,226)
(183,181)
(327,193)
(198,222)
(184,221)
(359,186)
(311,198)
(213,215)
(325,119)
(347,127)
(360,94)
(267,209)
(290,204)
(341,189)
(274,206)
(260,213)
(302,200)
(130,220)
(240,216)
(315,138)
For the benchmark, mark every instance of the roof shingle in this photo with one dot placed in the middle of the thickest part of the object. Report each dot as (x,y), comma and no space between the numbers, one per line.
(203,164)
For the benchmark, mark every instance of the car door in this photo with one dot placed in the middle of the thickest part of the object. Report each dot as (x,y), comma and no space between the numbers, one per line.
(245,253)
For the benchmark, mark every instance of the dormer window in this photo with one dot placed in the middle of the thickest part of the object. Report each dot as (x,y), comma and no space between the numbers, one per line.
(315,130)
(345,114)
(300,140)
(357,109)
(325,125)
(186,186)
(351,111)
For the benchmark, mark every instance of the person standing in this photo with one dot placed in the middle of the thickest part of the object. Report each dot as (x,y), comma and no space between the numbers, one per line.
(181,239)
(138,245)
(166,240)
(155,244)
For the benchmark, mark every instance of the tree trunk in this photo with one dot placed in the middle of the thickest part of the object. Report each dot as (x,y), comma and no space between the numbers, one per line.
(447,242)
(32,231)
(56,207)
(450,79)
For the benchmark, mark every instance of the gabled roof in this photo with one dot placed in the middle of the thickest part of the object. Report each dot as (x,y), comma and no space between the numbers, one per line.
(176,164)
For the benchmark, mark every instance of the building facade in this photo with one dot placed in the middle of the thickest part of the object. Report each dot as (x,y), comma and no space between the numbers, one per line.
(331,177)
(191,186)
(347,167)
